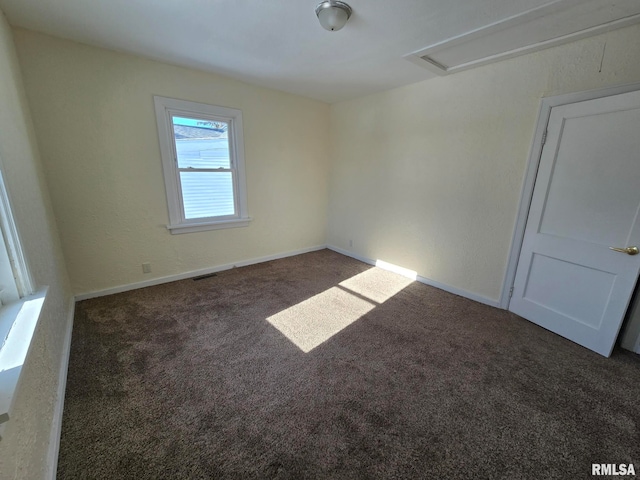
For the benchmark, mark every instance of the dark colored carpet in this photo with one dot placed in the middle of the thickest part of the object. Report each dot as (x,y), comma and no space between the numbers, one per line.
(189,380)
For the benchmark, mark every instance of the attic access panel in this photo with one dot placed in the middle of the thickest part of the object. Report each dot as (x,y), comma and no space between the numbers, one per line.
(555,23)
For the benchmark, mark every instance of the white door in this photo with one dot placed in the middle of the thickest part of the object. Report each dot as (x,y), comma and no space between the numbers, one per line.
(586,200)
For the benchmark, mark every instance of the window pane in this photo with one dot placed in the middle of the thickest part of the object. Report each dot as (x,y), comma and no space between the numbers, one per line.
(207,194)
(201,143)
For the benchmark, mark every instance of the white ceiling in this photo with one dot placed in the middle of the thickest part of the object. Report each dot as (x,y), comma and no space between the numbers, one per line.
(274,43)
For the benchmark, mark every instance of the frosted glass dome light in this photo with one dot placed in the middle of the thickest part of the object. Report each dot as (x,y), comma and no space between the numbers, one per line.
(333,15)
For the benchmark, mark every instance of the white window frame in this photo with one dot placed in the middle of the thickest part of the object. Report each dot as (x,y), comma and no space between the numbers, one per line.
(22,282)
(20,307)
(166,108)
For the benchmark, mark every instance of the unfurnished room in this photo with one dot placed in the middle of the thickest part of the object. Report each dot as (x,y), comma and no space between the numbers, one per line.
(319,239)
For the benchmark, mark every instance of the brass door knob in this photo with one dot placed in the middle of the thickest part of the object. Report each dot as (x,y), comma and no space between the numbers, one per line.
(629,250)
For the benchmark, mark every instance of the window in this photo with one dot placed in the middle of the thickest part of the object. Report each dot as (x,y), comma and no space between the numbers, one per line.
(20,307)
(15,280)
(203,162)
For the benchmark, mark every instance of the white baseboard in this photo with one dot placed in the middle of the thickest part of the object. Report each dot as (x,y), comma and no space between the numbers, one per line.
(56,423)
(425,280)
(193,273)
(352,255)
(459,291)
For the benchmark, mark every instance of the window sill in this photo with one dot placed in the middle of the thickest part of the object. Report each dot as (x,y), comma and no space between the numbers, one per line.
(19,320)
(201,227)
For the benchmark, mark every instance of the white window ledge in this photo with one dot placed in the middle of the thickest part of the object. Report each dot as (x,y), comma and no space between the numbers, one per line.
(213,225)
(18,322)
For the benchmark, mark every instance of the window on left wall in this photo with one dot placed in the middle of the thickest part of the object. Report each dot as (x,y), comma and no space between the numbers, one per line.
(20,306)
(15,279)
(203,163)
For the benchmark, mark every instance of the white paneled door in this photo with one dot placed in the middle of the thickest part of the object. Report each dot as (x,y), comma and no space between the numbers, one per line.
(585,204)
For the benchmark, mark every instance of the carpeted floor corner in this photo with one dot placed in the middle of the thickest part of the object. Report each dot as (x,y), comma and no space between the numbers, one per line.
(240,376)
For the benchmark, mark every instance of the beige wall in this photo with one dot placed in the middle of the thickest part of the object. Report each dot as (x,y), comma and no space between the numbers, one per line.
(23,449)
(95,122)
(429,176)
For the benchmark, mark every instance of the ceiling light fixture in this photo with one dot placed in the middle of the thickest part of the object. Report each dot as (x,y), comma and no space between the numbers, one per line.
(333,15)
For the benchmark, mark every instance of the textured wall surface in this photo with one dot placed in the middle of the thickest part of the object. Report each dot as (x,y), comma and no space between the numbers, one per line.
(429,176)
(96,128)
(23,449)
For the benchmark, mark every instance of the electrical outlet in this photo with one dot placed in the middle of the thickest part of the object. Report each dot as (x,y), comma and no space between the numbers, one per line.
(146,268)
(350,243)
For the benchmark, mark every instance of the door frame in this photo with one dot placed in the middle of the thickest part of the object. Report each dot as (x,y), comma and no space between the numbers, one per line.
(528,183)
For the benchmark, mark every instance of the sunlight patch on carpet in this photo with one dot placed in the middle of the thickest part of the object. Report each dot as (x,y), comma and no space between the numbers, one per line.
(313,321)
(376,284)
